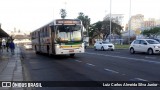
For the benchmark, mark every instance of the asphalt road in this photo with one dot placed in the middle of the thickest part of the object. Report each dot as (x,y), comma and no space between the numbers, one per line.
(118,65)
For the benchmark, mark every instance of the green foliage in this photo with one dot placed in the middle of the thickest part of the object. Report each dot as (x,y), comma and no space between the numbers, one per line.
(102,28)
(121,46)
(96,29)
(115,28)
(152,32)
(146,32)
(85,20)
(63,13)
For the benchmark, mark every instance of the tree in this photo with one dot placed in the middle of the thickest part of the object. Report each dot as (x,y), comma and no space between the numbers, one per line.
(153,32)
(115,28)
(146,33)
(85,20)
(63,13)
(102,29)
(96,30)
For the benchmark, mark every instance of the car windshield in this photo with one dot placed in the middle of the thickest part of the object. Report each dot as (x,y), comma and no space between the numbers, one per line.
(157,40)
(152,42)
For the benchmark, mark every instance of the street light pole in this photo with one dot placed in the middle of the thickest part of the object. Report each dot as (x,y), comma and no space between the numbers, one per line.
(110,22)
(65,4)
(129,26)
(53,14)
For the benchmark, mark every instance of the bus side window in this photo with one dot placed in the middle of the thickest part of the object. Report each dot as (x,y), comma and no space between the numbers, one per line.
(43,32)
(47,31)
(52,28)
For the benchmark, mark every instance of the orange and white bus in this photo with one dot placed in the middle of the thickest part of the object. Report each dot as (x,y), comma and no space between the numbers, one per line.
(61,36)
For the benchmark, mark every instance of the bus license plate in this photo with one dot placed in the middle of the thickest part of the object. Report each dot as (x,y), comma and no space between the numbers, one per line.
(71,50)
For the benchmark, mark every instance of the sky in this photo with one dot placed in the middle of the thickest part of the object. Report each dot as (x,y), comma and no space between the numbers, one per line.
(28,15)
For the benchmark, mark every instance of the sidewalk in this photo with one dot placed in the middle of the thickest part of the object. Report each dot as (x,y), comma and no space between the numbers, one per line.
(10,67)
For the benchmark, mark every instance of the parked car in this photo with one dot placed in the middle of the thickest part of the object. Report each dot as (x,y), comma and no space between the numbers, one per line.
(103,46)
(149,46)
(28,46)
(157,39)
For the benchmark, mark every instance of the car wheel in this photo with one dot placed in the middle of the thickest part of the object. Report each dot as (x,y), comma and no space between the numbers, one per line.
(95,48)
(150,51)
(102,48)
(132,51)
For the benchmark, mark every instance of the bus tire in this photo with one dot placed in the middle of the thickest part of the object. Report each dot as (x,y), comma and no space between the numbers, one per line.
(36,50)
(72,55)
(48,50)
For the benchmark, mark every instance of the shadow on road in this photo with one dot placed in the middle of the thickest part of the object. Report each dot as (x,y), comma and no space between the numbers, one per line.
(57,57)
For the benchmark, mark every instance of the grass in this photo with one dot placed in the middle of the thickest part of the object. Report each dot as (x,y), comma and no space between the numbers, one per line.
(116,46)
(122,46)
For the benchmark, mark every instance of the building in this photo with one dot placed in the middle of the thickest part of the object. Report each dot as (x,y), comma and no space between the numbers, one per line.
(149,23)
(116,18)
(136,23)
(20,37)
(157,22)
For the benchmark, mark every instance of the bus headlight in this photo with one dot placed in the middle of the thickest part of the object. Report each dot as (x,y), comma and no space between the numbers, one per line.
(57,46)
(82,45)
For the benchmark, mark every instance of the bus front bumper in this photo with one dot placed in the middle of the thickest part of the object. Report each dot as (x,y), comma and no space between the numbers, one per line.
(69,51)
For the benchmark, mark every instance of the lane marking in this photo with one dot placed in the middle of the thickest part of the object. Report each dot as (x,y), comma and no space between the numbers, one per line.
(78,61)
(90,53)
(150,57)
(135,59)
(99,54)
(111,70)
(116,52)
(138,79)
(90,64)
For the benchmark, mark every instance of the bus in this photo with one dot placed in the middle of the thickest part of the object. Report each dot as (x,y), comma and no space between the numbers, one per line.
(59,37)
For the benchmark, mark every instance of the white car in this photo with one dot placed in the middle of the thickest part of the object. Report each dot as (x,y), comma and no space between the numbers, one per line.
(28,46)
(103,46)
(149,46)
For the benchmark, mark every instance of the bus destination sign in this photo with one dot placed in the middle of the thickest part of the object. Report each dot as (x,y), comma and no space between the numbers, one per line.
(68,22)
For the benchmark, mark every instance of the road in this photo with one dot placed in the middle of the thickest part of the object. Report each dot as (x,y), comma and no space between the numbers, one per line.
(118,65)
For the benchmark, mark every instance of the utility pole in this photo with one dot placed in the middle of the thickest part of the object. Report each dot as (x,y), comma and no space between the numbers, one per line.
(65,4)
(129,26)
(53,13)
(110,22)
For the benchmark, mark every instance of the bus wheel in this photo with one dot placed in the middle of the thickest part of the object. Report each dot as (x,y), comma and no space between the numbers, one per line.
(48,50)
(72,55)
(36,50)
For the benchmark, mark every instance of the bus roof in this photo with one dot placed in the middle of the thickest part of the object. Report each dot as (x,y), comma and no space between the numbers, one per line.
(60,22)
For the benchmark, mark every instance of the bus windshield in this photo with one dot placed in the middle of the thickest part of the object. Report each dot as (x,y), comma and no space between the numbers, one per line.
(67,33)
